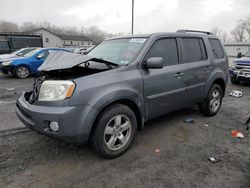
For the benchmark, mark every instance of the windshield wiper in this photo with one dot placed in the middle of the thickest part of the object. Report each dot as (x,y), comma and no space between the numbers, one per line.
(108,63)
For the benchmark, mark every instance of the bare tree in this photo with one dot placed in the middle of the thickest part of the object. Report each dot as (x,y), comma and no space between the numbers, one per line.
(246,25)
(27,26)
(223,35)
(96,34)
(239,32)
(8,27)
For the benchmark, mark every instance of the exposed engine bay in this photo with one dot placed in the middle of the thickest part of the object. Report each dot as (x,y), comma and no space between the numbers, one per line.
(61,65)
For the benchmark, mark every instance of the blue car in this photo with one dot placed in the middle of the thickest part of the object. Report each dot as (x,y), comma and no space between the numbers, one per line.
(240,71)
(28,64)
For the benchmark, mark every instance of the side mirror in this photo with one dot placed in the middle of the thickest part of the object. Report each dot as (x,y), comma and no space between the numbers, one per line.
(154,63)
(239,55)
(39,56)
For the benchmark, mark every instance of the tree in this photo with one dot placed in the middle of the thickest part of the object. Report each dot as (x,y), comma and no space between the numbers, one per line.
(27,26)
(96,34)
(223,35)
(6,26)
(239,32)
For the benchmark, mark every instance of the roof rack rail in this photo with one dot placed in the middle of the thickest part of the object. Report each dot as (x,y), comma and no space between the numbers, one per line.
(194,31)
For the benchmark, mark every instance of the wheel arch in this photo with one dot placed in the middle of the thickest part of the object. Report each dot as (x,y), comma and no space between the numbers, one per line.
(221,83)
(22,65)
(127,102)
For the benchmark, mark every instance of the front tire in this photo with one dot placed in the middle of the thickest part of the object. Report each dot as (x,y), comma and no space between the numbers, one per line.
(234,81)
(22,72)
(212,103)
(115,130)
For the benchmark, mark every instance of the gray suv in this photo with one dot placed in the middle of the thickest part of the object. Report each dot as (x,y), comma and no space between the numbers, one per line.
(104,97)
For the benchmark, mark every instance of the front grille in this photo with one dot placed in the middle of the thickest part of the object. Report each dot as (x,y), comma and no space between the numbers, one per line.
(244,73)
(242,66)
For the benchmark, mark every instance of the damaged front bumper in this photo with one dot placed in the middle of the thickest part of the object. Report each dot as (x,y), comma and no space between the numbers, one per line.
(240,74)
(75,122)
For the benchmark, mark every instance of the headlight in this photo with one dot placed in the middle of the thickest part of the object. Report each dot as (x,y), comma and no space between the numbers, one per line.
(6,63)
(56,90)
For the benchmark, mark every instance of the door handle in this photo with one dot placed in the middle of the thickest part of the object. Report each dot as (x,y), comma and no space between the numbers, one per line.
(208,68)
(179,74)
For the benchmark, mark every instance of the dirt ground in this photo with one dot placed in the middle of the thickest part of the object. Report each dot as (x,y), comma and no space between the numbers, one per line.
(28,159)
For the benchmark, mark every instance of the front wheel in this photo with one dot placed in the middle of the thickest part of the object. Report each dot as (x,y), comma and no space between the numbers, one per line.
(212,103)
(115,130)
(234,80)
(22,72)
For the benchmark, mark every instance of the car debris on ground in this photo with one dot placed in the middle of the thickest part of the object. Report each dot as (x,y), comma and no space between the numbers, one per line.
(157,150)
(237,134)
(213,159)
(188,120)
(236,94)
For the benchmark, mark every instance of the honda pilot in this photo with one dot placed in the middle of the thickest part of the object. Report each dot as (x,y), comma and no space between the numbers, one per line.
(105,97)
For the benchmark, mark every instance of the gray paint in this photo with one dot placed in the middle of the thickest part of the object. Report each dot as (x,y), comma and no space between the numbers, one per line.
(153,91)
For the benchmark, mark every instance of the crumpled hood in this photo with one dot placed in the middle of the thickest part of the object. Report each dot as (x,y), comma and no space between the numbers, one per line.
(59,60)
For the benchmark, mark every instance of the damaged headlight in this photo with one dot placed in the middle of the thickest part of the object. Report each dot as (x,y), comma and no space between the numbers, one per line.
(55,90)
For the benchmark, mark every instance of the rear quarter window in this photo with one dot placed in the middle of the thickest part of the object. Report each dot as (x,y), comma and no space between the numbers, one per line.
(216,47)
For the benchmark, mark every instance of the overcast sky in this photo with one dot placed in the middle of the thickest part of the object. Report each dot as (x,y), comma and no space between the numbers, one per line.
(115,15)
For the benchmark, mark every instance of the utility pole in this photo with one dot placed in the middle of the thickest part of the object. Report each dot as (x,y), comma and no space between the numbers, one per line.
(132,31)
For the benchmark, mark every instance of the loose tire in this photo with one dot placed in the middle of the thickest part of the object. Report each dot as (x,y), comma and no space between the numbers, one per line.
(234,81)
(22,72)
(115,130)
(212,103)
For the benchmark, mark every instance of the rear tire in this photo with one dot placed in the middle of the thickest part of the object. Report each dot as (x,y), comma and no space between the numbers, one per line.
(115,130)
(22,72)
(212,103)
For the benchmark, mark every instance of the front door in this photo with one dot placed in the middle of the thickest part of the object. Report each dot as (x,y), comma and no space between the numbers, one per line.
(163,88)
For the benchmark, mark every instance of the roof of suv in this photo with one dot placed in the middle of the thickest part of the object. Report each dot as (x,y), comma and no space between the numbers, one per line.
(190,33)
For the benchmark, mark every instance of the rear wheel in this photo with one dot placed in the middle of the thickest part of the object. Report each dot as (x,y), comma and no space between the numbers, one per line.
(212,103)
(22,72)
(115,131)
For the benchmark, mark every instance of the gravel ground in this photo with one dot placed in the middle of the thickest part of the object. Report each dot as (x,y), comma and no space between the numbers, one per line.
(28,159)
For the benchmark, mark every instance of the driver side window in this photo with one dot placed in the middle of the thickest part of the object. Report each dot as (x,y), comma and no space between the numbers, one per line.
(43,54)
(165,48)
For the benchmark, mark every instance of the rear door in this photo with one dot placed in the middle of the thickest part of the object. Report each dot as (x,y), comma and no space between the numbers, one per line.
(196,68)
(163,88)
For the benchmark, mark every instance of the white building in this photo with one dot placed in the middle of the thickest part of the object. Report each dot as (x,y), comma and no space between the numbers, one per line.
(233,48)
(51,39)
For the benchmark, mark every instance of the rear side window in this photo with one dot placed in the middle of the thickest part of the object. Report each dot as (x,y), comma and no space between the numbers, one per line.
(216,48)
(193,50)
(165,48)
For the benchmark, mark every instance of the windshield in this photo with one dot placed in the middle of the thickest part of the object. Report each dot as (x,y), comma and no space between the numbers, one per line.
(31,53)
(22,52)
(247,54)
(118,51)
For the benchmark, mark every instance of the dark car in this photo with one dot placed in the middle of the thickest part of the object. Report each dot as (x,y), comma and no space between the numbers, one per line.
(104,97)
(240,70)
(28,64)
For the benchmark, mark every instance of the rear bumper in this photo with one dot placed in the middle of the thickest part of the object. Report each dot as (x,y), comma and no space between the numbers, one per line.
(75,122)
